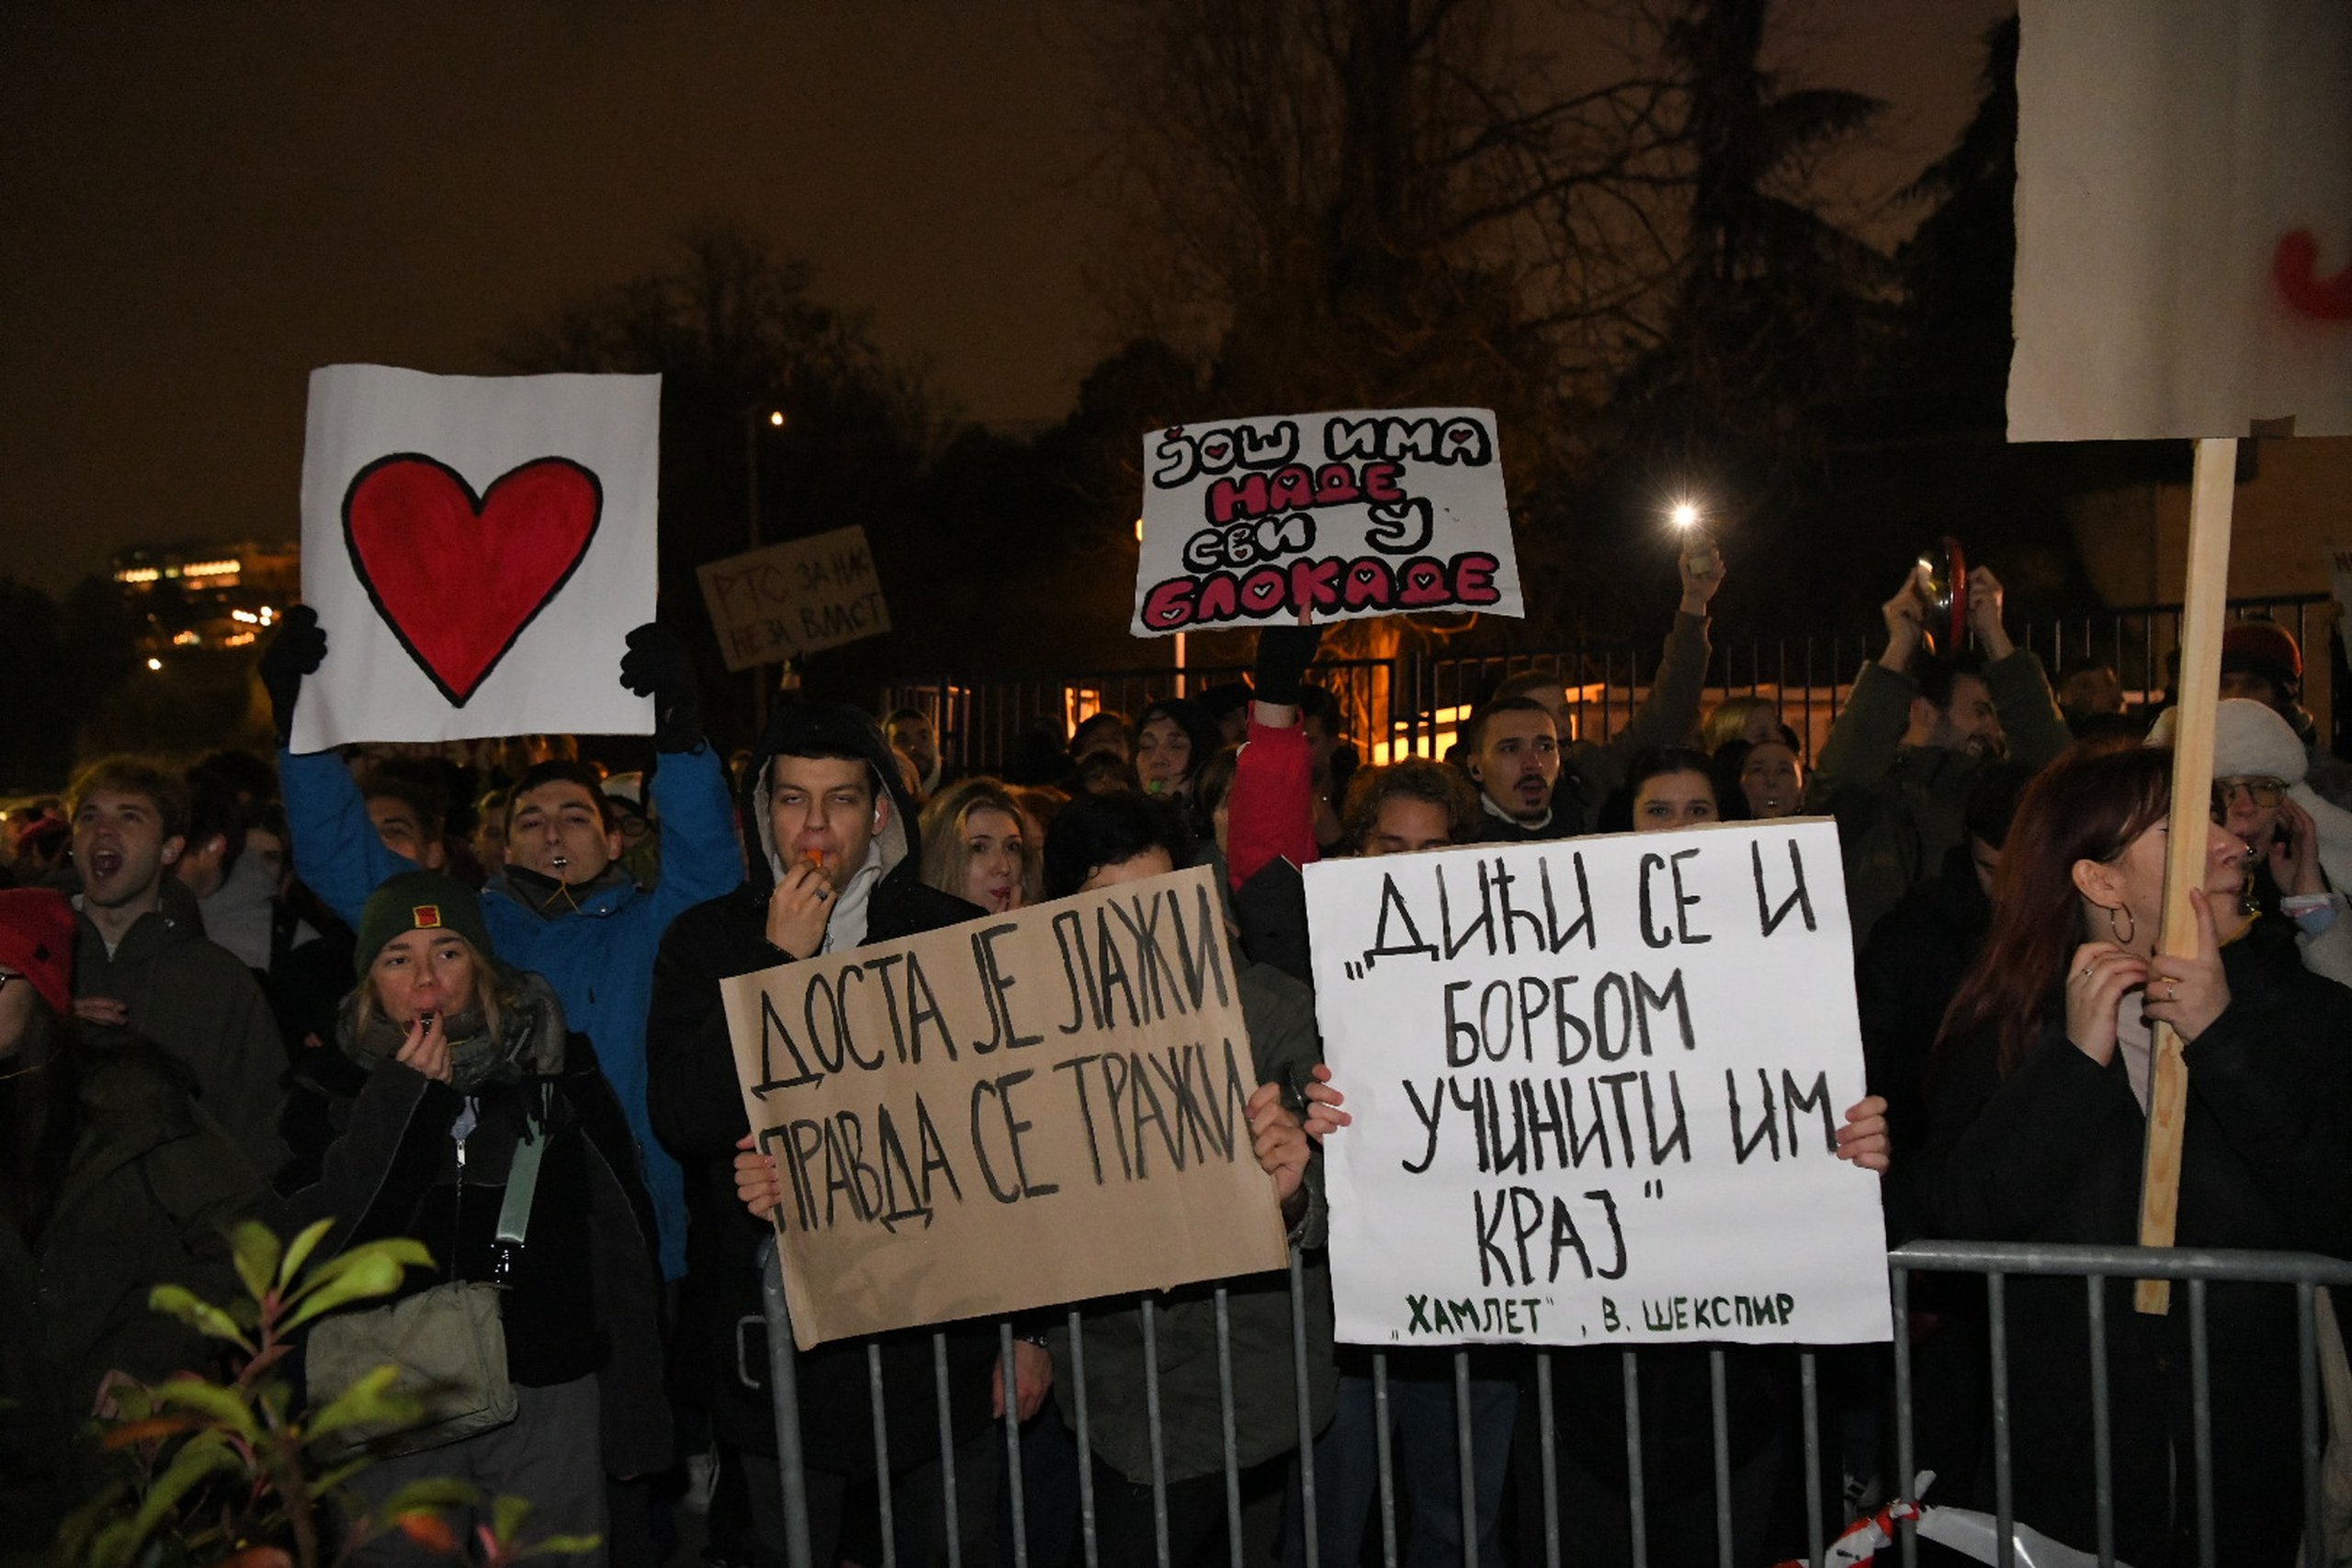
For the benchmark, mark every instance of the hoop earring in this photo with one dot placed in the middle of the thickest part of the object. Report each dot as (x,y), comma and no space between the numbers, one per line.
(2122,937)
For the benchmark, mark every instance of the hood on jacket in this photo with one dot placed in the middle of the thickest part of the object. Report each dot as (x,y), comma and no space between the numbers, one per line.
(827,729)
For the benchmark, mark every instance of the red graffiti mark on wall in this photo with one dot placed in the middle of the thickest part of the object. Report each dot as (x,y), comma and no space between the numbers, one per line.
(2295,264)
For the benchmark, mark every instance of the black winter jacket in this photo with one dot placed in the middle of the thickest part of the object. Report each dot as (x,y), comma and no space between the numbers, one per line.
(2054,1152)
(697,1108)
(586,1295)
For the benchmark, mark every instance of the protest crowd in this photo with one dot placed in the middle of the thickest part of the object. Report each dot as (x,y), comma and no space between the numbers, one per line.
(471,993)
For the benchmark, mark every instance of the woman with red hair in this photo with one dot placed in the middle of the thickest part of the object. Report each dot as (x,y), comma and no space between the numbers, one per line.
(2039,1124)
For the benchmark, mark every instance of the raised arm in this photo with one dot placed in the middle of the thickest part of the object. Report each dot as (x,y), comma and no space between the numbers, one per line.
(1670,711)
(1869,730)
(1269,810)
(2020,688)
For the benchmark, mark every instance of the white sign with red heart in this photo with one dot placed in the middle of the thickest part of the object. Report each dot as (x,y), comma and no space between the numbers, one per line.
(477,549)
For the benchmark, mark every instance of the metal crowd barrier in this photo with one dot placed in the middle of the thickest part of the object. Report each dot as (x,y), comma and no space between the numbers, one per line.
(1996,1263)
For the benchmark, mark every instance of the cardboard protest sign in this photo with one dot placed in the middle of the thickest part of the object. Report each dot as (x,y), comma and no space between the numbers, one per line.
(1037,1108)
(1314,518)
(2184,211)
(477,549)
(1597,1086)
(782,600)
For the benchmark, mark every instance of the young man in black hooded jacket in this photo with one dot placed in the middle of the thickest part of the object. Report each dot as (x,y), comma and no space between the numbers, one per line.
(834,865)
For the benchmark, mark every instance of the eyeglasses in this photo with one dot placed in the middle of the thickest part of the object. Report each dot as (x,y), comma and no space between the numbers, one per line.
(6,976)
(2265,793)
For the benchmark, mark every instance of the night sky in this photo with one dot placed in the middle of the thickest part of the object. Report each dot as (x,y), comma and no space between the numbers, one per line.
(203,203)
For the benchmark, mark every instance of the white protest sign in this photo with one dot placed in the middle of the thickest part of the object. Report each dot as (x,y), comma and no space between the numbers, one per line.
(2184,213)
(782,600)
(1597,1086)
(1322,517)
(477,549)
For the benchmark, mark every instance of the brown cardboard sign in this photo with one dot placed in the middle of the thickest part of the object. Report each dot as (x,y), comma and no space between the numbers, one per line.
(1025,1109)
(783,601)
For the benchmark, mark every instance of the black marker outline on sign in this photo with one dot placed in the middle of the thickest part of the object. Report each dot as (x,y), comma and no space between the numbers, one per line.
(367,582)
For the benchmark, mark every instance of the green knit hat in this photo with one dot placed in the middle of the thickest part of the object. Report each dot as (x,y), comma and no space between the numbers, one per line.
(416,901)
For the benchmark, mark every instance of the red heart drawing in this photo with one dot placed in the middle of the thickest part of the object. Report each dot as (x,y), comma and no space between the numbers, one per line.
(458,576)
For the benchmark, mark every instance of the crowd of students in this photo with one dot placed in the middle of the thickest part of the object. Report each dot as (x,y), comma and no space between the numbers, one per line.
(361,987)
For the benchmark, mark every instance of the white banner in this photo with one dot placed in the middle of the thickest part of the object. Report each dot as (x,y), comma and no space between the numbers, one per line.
(1597,1086)
(477,549)
(1314,518)
(2184,216)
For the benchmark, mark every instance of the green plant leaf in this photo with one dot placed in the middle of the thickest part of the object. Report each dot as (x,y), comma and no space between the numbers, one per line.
(227,1407)
(374,1270)
(179,1301)
(298,1251)
(440,1492)
(372,1398)
(254,1247)
(507,1518)
(208,1453)
(563,1546)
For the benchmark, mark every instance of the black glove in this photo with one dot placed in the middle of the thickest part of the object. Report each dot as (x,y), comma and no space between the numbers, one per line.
(298,649)
(1283,654)
(657,665)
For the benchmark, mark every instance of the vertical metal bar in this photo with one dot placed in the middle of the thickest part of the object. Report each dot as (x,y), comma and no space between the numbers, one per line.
(1809,1379)
(1465,1460)
(784,1394)
(881,1453)
(2102,1423)
(1151,1420)
(1638,1533)
(1384,1448)
(1310,1531)
(1719,1413)
(1548,1439)
(939,1392)
(2005,1516)
(1228,1426)
(2315,1431)
(2201,1417)
(1906,1457)
(1016,1511)
(1086,1527)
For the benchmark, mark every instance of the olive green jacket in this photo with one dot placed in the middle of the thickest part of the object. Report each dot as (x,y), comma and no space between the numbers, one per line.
(193,997)
(1284,1044)
(151,1186)
(1900,809)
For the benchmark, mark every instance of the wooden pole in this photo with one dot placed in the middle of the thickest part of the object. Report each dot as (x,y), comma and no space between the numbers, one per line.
(2194,696)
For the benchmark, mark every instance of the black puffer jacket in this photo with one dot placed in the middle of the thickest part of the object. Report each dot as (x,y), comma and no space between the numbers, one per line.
(586,1297)
(697,1107)
(2053,1153)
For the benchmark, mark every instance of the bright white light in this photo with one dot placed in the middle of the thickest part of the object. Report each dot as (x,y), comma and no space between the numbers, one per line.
(1684,515)
(1139,530)
(775,417)
(154,664)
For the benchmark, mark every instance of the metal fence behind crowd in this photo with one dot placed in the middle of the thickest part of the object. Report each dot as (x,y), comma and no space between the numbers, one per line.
(1416,704)
(1549,1520)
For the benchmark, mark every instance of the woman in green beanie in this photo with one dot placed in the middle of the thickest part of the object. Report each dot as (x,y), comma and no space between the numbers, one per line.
(463,1064)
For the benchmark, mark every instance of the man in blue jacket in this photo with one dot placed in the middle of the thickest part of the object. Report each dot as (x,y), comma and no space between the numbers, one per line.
(563,907)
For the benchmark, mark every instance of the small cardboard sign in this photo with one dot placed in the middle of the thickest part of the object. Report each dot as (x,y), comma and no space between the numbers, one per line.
(783,601)
(1597,1086)
(477,549)
(1306,519)
(1015,1112)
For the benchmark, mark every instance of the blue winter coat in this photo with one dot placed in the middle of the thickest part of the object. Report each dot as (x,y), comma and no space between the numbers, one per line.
(598,956)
